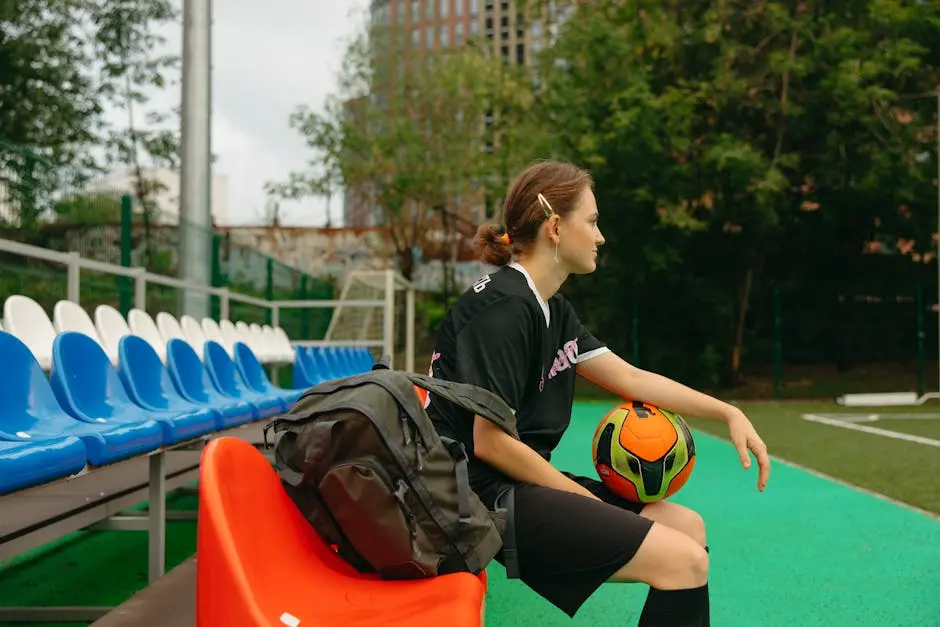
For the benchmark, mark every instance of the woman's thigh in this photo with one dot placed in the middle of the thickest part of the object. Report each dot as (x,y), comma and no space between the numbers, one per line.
(672,515)
(568,544)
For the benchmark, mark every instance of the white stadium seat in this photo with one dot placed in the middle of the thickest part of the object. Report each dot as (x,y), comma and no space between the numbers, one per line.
(27,320)
(285,348)
(111,327)
(169,327)
(192,333)
(212,331)
(142,325)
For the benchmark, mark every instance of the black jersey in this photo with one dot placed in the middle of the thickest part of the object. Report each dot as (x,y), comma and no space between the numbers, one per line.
(501,335)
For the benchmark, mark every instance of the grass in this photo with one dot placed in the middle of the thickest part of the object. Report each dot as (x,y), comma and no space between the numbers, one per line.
(904,471)
(92,568)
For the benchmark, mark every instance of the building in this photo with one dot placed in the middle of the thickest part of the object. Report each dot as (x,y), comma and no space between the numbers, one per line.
(422,25)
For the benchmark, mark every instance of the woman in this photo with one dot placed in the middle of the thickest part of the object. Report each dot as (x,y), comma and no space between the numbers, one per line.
(512,333)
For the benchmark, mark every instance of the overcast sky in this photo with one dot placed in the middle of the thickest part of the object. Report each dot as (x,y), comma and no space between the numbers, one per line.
(268,57)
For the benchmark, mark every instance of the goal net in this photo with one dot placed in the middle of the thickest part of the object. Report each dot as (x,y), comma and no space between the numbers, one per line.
(359,317)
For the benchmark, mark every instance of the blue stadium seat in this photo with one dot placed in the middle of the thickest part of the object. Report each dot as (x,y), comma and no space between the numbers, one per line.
(29,412)
(192,381)
(88,387)
(304,370)
(148,383)
(224,376)
(323,366)
(362,358)
(26,464)
(256,379)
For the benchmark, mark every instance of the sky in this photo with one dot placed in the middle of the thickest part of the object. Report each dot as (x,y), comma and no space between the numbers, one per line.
(268,58)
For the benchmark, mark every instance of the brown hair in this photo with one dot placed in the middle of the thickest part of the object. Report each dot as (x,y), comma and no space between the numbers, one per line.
(558,182)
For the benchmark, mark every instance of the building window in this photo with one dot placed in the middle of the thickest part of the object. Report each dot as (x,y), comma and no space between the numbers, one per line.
(444,10)
(415,12)
(445,36)
(429,37)
(458,33)
(429,9)
(458,8)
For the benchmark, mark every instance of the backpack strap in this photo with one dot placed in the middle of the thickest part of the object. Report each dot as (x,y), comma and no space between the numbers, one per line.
(459,453)
(507,498)
(480,401)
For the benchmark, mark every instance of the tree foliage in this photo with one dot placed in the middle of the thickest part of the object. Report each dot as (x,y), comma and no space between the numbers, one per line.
(735,141)
(423,145)
(63,65)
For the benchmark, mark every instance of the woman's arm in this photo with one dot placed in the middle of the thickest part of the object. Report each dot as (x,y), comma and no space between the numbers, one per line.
(518,460)
(629,382)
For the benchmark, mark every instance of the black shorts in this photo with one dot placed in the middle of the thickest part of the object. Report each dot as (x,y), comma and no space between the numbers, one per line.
(568,545)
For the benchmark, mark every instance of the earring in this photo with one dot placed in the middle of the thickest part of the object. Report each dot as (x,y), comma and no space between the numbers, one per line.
(556,252)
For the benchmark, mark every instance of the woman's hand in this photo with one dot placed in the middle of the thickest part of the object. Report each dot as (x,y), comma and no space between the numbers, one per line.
(745,438)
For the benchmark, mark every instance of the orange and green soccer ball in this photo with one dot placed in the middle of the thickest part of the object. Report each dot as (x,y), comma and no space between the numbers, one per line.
(643,453)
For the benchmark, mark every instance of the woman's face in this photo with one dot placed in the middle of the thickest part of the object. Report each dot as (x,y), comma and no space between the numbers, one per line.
(579,236)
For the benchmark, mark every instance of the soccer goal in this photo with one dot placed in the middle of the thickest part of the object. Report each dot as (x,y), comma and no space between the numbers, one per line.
(376,308)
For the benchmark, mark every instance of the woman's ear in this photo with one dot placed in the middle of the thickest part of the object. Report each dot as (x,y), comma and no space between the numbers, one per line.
(552,228)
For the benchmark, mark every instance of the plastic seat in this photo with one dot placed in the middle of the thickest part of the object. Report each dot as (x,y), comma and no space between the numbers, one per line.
(28,464)
(88,387)
(192,333)
(304,372)
(111,327)
(243,581)
(270,343)
(284,347)
(322,366)
(69,316)
(259,344)
(30,412)
(252,373)
(169,326)
(27,320)
(148,383)
(226,379)
(142,325)
(191,380)
(212,331)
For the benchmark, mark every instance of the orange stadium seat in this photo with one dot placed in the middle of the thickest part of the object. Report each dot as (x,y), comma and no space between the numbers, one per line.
(260,563)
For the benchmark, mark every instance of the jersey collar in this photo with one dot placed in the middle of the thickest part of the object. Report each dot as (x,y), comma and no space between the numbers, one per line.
(528,279)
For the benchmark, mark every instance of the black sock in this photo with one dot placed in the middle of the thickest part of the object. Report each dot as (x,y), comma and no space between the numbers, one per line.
(676,608)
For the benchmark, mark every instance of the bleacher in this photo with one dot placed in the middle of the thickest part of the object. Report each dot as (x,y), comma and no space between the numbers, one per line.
(100,412)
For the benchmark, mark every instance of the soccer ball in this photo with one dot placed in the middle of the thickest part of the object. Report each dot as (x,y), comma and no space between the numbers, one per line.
(643,453)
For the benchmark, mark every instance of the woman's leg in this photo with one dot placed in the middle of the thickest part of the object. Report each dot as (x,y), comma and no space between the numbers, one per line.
(686,520)
(676,553)
(568,545)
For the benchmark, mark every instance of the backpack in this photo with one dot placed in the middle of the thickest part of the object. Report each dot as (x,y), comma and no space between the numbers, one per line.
(363,463)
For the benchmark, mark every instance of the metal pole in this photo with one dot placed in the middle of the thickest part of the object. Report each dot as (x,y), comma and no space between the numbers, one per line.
(195,228)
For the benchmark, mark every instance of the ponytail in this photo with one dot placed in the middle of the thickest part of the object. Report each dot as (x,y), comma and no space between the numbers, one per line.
(492,245)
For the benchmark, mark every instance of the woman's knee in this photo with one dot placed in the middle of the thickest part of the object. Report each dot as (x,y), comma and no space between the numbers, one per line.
(667,559)
(686,520)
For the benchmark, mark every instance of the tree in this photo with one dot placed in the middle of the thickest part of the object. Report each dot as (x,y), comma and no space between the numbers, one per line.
(738,140)
(61,63)
(423,137)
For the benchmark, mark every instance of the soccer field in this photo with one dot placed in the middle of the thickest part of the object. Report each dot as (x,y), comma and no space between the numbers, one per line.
(811,551)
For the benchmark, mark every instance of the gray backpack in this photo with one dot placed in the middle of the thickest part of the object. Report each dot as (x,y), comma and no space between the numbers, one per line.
(362,461)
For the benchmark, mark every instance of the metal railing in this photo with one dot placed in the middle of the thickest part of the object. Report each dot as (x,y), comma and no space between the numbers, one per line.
(75,263)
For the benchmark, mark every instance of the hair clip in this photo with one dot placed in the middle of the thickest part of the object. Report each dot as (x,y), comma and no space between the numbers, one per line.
(504,238)
(547,208)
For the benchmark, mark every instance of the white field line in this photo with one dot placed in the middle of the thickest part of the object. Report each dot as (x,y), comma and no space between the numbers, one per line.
(894,435)
(845,484)
(877,417)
